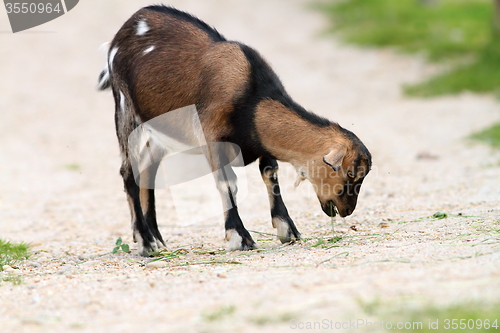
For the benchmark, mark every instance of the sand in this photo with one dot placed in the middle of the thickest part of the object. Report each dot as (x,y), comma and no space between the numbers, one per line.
(62,191)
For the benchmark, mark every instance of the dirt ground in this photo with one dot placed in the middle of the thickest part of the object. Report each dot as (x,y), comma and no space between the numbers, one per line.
(61,190)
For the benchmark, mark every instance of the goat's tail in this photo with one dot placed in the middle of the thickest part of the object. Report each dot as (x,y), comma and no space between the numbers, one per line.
(104,82)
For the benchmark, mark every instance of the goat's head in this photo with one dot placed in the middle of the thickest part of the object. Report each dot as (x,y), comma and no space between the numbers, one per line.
(337,175)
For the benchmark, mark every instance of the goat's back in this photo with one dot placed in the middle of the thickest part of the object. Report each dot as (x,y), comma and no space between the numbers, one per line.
(166,59)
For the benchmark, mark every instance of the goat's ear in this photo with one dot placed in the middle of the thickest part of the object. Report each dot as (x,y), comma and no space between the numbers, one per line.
(335,157)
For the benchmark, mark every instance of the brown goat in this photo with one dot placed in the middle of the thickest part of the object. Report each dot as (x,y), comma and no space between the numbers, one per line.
(162,60)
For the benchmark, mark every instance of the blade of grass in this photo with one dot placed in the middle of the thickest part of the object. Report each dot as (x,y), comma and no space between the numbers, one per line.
(331,218)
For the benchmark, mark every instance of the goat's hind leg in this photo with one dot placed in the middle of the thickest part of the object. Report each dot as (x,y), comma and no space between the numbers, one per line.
(141,200)
(287,232)
(142,232)
(147,197)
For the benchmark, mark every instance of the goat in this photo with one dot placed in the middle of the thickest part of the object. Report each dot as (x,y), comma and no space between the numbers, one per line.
(163,59)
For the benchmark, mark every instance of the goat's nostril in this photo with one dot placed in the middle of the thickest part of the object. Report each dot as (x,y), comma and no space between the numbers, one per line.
(348,211)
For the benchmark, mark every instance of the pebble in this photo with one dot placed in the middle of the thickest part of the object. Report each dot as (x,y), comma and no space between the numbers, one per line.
(66,269)
(90,263)
(86,256)
(8,269)
(157,264)
(43,257)
(33,264)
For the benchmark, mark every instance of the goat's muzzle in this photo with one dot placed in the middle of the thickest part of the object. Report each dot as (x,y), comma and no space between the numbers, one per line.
(329,208)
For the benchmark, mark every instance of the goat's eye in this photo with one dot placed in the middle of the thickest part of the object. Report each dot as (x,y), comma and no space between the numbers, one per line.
(350,175)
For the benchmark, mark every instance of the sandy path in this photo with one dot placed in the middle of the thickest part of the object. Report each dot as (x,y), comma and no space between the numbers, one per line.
(61,189)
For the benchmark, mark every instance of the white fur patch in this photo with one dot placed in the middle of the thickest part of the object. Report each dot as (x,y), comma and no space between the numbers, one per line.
(227,190)
(149,49)
(142,28)
(160,245)
(112,55)
(140,245)
(122,102)
(234,240)
(138,240)
(283,229)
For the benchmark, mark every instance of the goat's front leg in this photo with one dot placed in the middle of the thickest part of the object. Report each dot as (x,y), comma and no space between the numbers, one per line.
(287,232)
(239,238)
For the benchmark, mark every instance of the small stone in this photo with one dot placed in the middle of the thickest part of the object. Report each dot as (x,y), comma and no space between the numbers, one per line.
(157,264)
(85,256)
(64,270)
(43,257)
(384,225)
(425,155)
(10,270)
(90,263)
(33,264)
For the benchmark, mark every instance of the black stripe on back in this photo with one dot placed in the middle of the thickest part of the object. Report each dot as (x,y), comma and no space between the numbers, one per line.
(266,84)
(168,10)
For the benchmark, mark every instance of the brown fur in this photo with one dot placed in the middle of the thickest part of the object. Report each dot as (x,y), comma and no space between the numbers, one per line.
(240,100)
(185,68)
(290,138)
(293,139)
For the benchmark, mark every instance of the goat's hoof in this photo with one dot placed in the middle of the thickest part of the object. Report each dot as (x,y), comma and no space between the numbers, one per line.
(238,243)
(287,232)
(148,248)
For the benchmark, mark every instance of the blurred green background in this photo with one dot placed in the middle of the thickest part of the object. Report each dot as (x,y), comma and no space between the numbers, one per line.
(460,31)
(464,35)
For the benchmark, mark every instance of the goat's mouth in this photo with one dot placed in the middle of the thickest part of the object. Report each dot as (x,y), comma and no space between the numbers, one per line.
(329,208)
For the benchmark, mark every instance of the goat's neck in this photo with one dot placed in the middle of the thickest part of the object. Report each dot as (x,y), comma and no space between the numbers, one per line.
(291,138)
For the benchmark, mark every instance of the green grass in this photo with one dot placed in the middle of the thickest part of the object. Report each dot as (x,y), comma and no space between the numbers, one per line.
(473,315)
(272,318)
(73,167)
(12,254)
(448,28)
(480,76)
(490,135)
(458,30)
(476,317)
(220,313)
